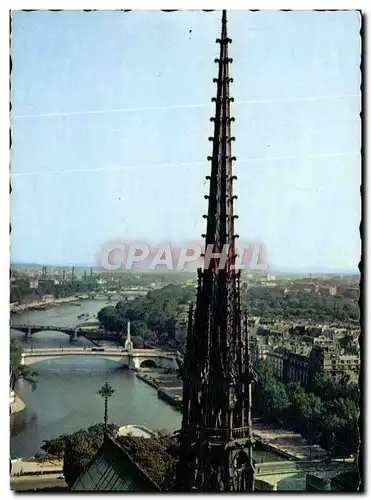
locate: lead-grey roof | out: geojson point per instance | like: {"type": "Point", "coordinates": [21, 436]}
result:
{"type": "Point", "coordinates": [113, 470]}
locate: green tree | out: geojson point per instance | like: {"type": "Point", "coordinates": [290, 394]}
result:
{"type": "Point", "coordinates": [111, 319]}
{"type": "Point", "coordinates": [275, 400]}
{"type": "Point", "coordinates": [106, 391]}
{"type": "Point", "coordinates": [306, 411]}
{"type": "Point", "coordinates": [140, 328]}
{"type": "Point", "coordinates": [19, 371]}
{"type": "Point", "coordinates": [152, 455]}
{"type": "Point", "coordinates": [122, 307]}
{"type": "Point", "coordinates": [54, 447]}
{"type": "Point", "coordinates": [79, 449]}
{"type": "Point", "coordinates": [326, 412]}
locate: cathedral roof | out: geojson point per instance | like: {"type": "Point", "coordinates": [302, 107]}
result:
{"type": "Point", "coordinates": [112, 469]}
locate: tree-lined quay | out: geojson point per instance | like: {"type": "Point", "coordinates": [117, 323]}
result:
{"type": "Point", "coordinates": [325, 413]}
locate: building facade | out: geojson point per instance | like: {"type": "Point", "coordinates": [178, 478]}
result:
{"type": "Point", "coordinates": [289, 366]}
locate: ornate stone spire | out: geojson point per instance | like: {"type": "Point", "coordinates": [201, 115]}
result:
{"type": "Point", "coordinates": [216, 438]}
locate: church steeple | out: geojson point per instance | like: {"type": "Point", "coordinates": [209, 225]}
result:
{"type": "Point", "coordinates": [216, 438]}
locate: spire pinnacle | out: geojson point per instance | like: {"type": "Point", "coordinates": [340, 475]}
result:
{"type": "Point", "coordinates": [128, 342]}
{"type": "Point", "coordinates": [220, 217]}
{"type": "Point", "coordinates": [224, 23]}
{"type": "Point", "coordinates": [129, 337]}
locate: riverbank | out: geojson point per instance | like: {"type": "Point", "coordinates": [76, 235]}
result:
{"type": "Point", "coordinates": [53, 483]}
{"type": "Point", "coordinates": [16, 404]}
{"type": "Point", "coordinates": [41, 305]}
{"type": "Point", "coordinates": [32, 306]}
{"type": "Point", "coordinates": [26, 467]}
{"type": "Point", "coordinates": [288, 444]}
{"type": "Point", "coordinates": [169, 387]}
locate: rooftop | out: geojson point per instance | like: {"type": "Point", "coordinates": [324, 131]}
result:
{"type": "Point", "coordinates": [112, 469]}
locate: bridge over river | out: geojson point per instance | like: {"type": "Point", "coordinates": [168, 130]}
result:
{"type": "Point", "coordinates": [115, 294]}
{"type": "Point", "coordinates": [72, 331]}
{"type": "Point", "coordinates": [133, 358]}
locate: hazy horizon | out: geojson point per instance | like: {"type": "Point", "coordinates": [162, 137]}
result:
{"type": "Point", "coordinates": [288, 270]}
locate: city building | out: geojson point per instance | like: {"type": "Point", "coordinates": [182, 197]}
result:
{"type": "Point", "coordinates": [303, 287]}
{"type": "Point", "coordinates": [34, 283]}
{"type": "Point", "coordinates": [259, 348]}
{"type": "Point", "coordinates": [327, 360]}
{"type": "Point", "coordinates": [301, 362]}
{"type": "Point", "coordinates": [289, 366]}
{"type": "Point", "coordinates": [322, 340]}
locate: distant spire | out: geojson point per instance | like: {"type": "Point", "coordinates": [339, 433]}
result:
{"type": "Point", "coordinates": [128, 342]}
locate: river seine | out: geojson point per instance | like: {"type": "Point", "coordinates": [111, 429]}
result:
{"type": "Point", "coordinates": [66, 398]}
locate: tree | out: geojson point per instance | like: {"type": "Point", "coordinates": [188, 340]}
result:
{"type": "Point", "coordinates": [80, 448]}
{"type": "Point", "coordinates": [54, 447]}
{"type": "Point", "coordinates": [111, 319]}
{"type": "Point", "coordinates": [342, 420]}
{"type": "Point", "coordinates": [140, 328]}
{"type": "Point", "coordinates": [275, 399]}
{"type": "Point", "coordinates": [152, 455]}
{"type": "Point", "coordinates": [306, 411]}
{"type": "Point", "coordinates": [19, 371]}
{"type": "Point", "coordinates": [152, 315]}
{"type": "Point", "coordinates": [122, 307]}
{"type": "Point", "coordinates": [106, 392]}
{"type": "Point", "coordinates": [329, 389]}
{"type": "Point", "coordinates": [325, 412]}
{"type": "Point", "coordinates": [93, 438]}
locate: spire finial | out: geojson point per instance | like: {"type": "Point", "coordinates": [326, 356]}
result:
{"type": "Point", "coordinates": [129, 338]}
{"type": "Point", "coordinates": [128, 342]}
{"type": "Point", "coordinates": [224, 24]}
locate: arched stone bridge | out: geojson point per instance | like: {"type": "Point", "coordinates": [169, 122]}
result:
{"type": "Point", "coordinates": [133, 359]}
{"type": "Point", "coordinates": [73, 332]}
{"type": "Point", "coordinates": [316, 473]}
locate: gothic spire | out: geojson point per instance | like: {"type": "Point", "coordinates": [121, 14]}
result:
{"type": "Point", "coordinates": [215, 440]}
{"type": "Point", "coordinates": [220, 217]}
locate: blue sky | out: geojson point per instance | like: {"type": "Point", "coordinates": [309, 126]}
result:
{"type": "Point", "coordinates": [110, 122]}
